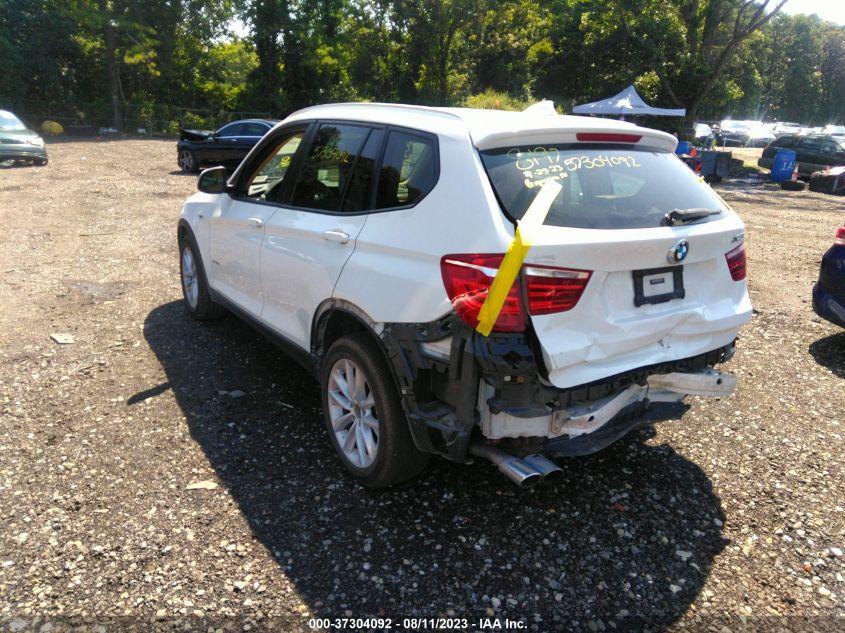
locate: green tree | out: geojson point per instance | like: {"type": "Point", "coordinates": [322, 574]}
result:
{"type": "Point", "coordinates": [690, 43]}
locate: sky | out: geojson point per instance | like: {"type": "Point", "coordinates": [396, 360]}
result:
{"type": "Point", "coordinates": [833, 10]}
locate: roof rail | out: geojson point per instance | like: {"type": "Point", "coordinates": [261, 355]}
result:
{"type": "Point", "coordinates": [389, 106]}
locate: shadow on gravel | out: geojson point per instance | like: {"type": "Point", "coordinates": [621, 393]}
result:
{"type": "Point", "coordinates": [629, 534]}
{"type": "Point", "coordinates": [830, 352]}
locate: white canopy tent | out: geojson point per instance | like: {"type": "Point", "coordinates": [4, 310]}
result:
{"type": "Point", "coordinates": [627, 102]}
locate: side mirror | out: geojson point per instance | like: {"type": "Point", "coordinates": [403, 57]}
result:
{"type": "Point", "coordinates": [212, 180]}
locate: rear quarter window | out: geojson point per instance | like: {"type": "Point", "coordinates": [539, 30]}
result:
{"type": "Point", "coordinates": [408, 170]}
{"type": "Point", "coordinates": [608, 187]}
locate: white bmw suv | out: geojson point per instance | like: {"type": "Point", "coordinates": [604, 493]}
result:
{"type": "Point", "coordinates": [388, 248]}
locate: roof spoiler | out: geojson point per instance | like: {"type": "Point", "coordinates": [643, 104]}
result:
{"type": "Point", "coordinates": [545, 107]}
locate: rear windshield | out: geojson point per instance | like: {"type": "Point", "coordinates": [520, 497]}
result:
{"type": "Point", "coordinates": [604, 187]}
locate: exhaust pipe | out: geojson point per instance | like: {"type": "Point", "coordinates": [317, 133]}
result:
{"type": "Point", "coordinates": [511, 466]}
{"type": "Point", "coordinates": [546, 467]}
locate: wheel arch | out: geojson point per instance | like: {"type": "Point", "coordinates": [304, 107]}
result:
{"type": "Point", "coordinates": [335, 318]}
{"type": "Point", "coordinates": [184, 232]}
{"type": "Point", "coordinates": [185, 235]}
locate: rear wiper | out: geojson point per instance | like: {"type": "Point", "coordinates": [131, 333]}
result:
{"type": "Point", "coordinates": [682, 216]}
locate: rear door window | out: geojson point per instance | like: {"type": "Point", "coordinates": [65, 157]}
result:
{"type": "Point", "coordinates": [358, 195]}
{"type": "Point", "coordinates": [327, 167]}
{"type": "Point", "coordinates": [408, 170]}
{"type": "Point", "coordinates": [810, 144]}
{"type": "Point", "coordinates": [609, 187]}
{"type": "Point", "coordinates": [233, 129]}
{"type": "Point", "coordinates": [253, 129]}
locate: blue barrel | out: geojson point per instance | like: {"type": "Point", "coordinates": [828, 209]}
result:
{"type": "Point", "coordinates": [684, 147]}
{"type": "Point", "coordinates": [783, 166]}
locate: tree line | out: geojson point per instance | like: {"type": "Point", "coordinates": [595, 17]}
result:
{"type": "Point", "coordinates": [124, 62]}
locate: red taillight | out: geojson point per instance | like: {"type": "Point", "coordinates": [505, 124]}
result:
{"type": "Point", "coordinates": [736, 262]}
{"type": "Point", "coordinates": [840, 237]}
{"type": "Point", "coordinates": [607, 137]}
{"type": "Point", "coordinates": [553, 289]}
{"type": "Point", "coordinates": [467, 279]}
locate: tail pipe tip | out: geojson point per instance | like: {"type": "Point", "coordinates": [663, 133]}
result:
{"type": "Point", "coordinates": [546, 467]}
{"type": "Point", "coordinates": [519, 472]}
{"type": "Point", "coordinates": [512, 467]}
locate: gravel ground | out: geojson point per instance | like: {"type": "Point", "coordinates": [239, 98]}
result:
{"type": "Point", "coordinates": [732, 515]}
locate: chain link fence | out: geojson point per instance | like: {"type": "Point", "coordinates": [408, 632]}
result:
{"type": "Point", "coordinates": [142, 120]}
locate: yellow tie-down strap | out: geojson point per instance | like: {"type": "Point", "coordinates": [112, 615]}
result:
{"type": "Point", "coordinates": [526, 229]}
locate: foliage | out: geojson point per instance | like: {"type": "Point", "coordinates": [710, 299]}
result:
{"type": "Point", "coordinates": [147, 63]}
{"type": "Point", "coordinates": [492, 100]}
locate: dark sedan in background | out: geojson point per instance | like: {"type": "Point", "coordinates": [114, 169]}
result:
{"type": "Point", "coordinates": [19, 143]}
{"type": "Point", "coordinates": [829, 292]}
{"type": "Point", "coordinates": [814, 152]}
{"type": "Point", "coordinates": [227, 146]}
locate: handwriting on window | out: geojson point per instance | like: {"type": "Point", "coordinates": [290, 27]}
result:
{"type": "Point", "coordinates": [543, 164]}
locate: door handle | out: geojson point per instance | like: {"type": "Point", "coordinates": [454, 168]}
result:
{"type": "Point", "coordinates": [256, 222]}
{"type": "Point", "coordinates": [336, 235]}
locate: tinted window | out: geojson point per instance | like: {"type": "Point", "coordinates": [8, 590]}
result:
{"type": "Point", "coordinates": [408, 170]}
{"type": "Point", "coordinates": [603, 188]}
{"type": "Point", "coordinates": [327, 167]}
{"type": "Point", "coordinates": [810, 144]}
{"type": "Point", "coordinates": [785, 141]}
{"type": "Point", "coordinates": [359, 191]}
{"type": "Point", "coordinates": [233, 129]}
{"type": "Point", "coordinates": [829, 147]}
{"type": "Point", "coordinates": [253, 129]}
{"type": "Point", "coordinates": [266, 182]}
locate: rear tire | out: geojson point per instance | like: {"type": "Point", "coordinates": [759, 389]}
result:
{"type": "Point", "coordinates": [40, 162]}
{"type": "Point", "coordinates": [197, 299]}
{"type": "Point", "coordinates": [364, 416]}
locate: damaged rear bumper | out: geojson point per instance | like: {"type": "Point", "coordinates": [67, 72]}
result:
{"type": "Point", "coordinates": [455, 383]}
{"type": "Point", "coordinates": [583, 430]}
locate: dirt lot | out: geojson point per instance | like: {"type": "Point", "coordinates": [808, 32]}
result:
{"type": "Point", "coordinates": [736, 510]}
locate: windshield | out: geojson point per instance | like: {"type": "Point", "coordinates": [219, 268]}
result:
{"type": "Point", "coordinates": [9, 121]}
{"type": "Point", "coordinates": [607, 187]}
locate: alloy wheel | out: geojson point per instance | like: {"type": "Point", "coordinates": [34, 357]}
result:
{"type": "Point", "coordinates": [190, 283]}
{"type": "Point", "coordinates": [186, 160]}
{"type": "Point", "coordinates": [353, 413]}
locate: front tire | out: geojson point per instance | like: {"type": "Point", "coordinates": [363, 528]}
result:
{"type": "Point", "coordinates": [364, 416]}
{"type": "Point", "coordinates": [197, 299]}
{"type": "Point", "coordinates": [187, 161]}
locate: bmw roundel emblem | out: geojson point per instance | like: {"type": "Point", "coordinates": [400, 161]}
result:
{"type": "Point", "coordinates": [678, 252]}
